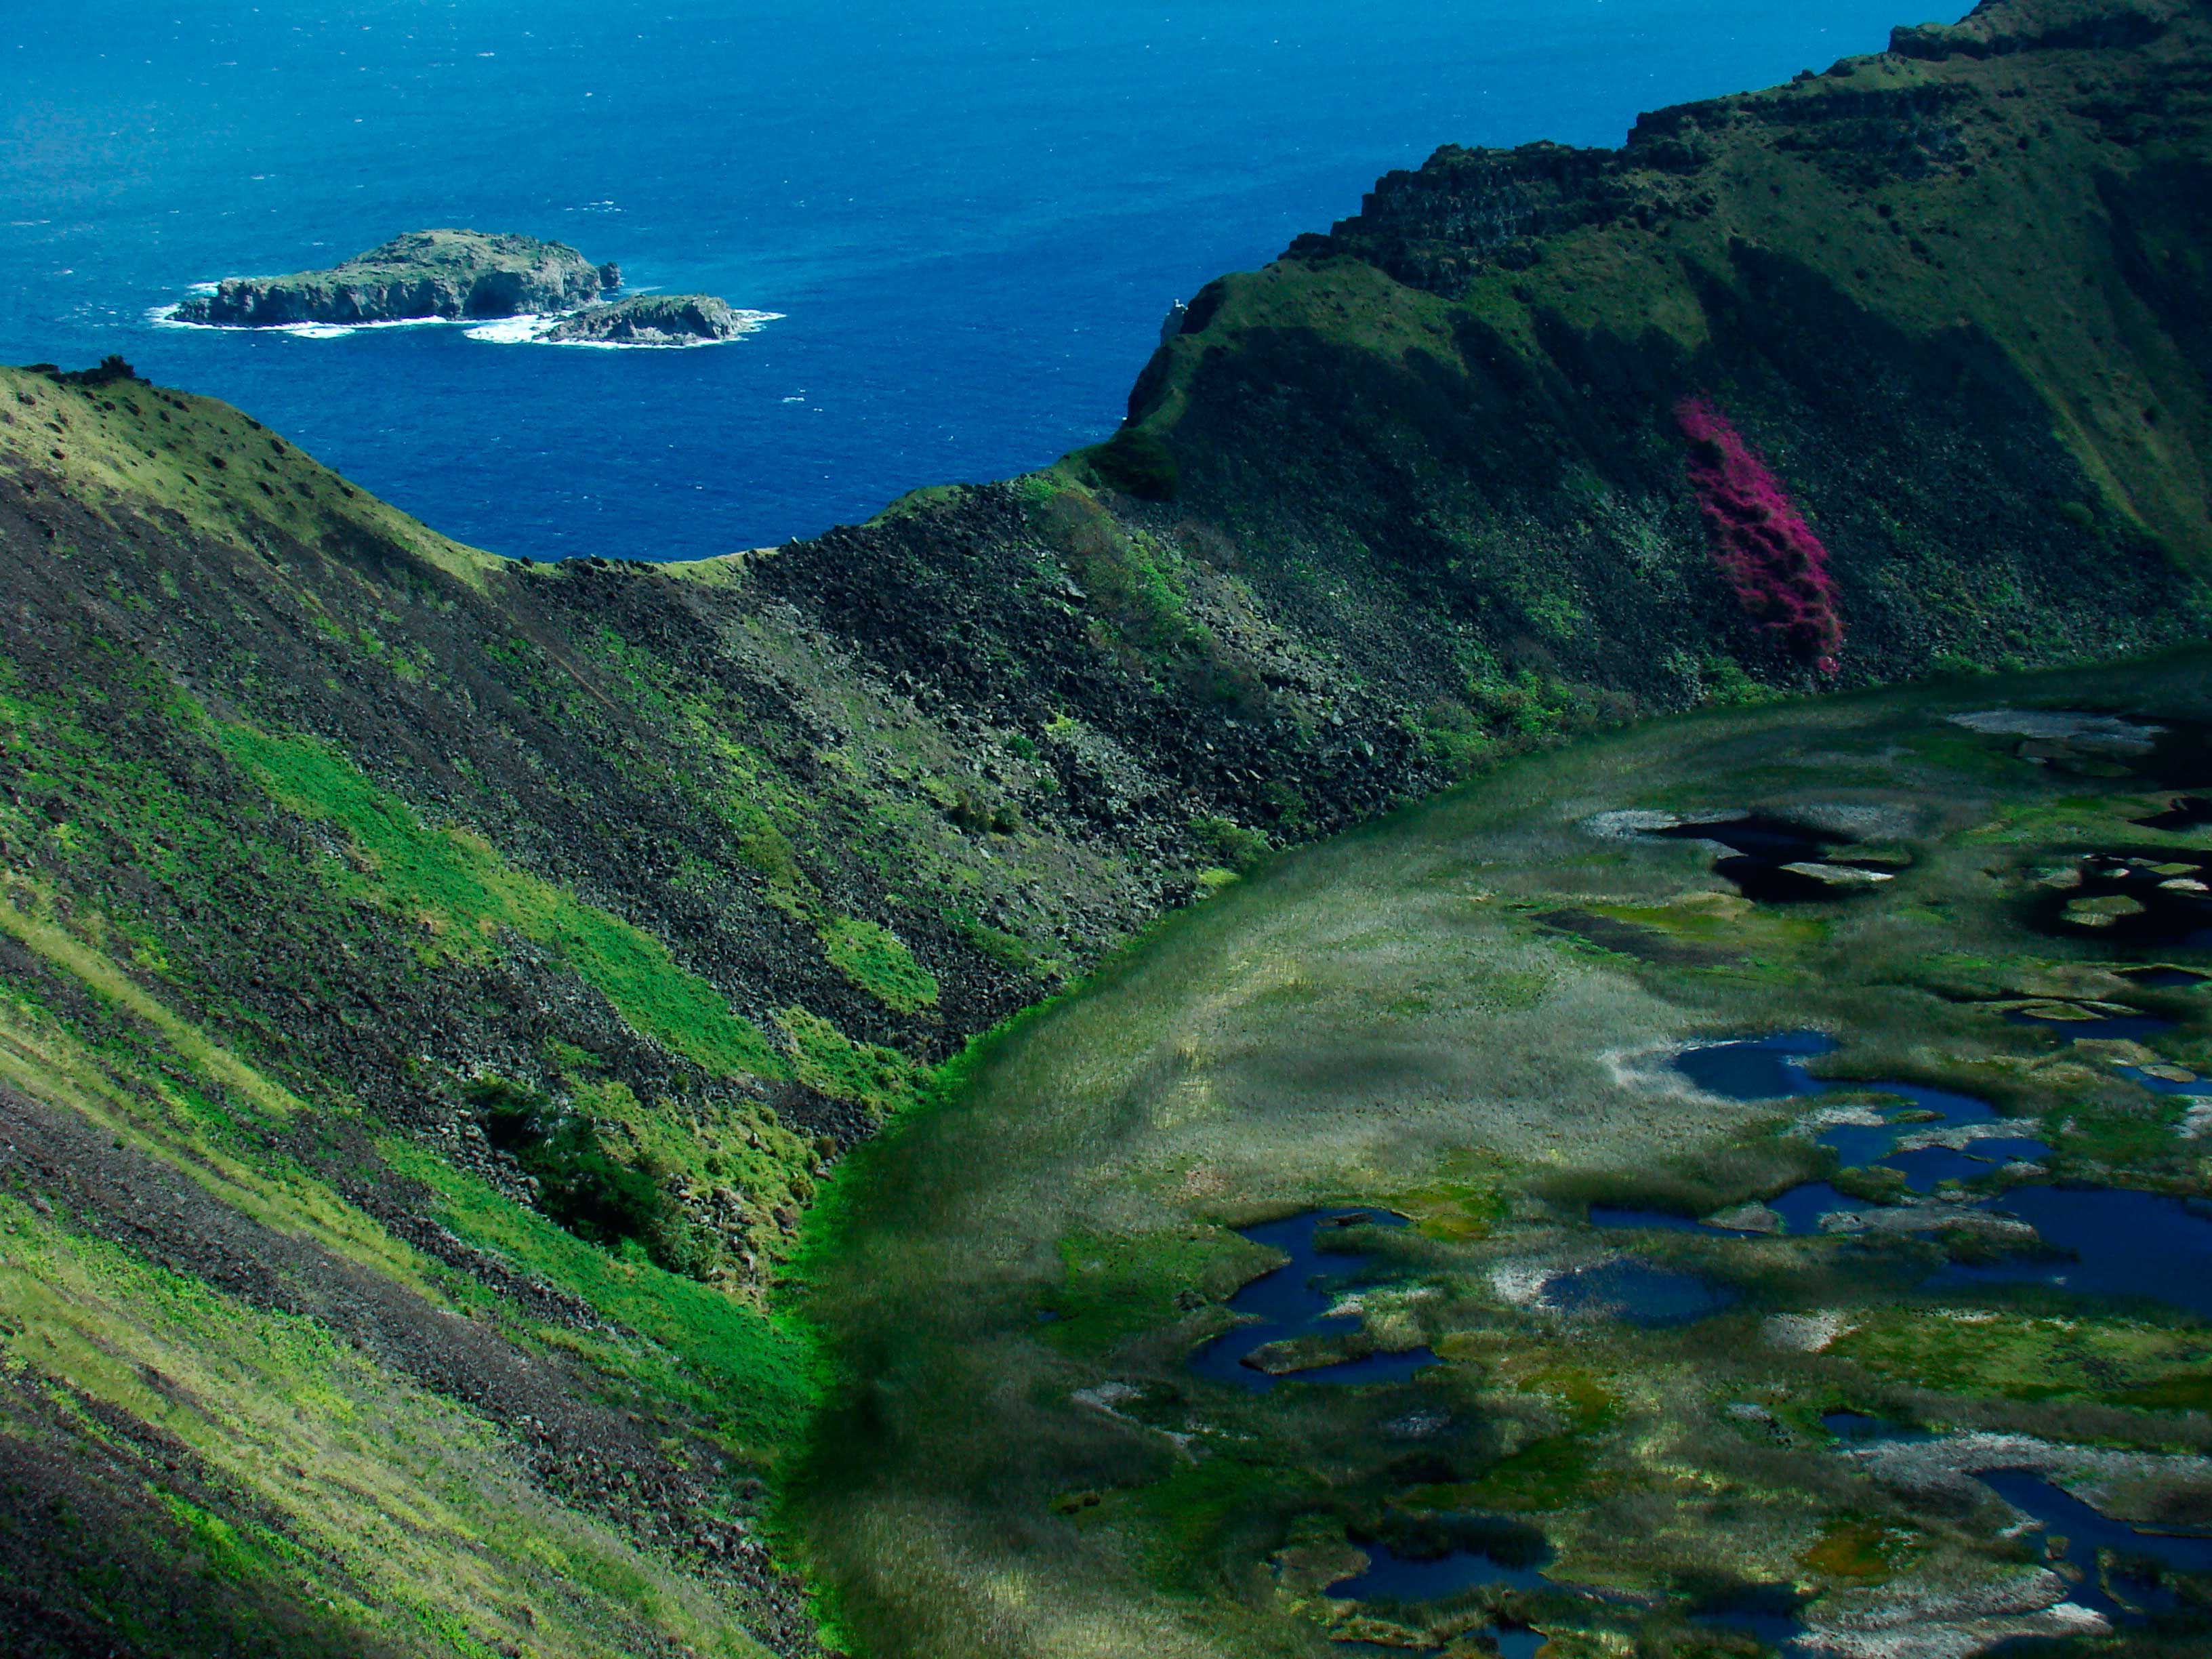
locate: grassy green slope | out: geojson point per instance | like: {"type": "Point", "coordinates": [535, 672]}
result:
{"type": "Point", "coordinates": [423, 900]}
{"type": "Point", "coordinates": [294, 1363]}
{"type": "Point", "coordinates": [1954, 295]}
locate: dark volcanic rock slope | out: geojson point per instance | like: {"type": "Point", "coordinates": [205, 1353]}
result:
{"type": "Point", "coordinates": [525, 939]}
{"type": "Point", "coordinates": [435, 983]}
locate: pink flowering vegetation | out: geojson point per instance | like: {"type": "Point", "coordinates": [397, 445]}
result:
{"type": "Point", "coordinates": [1759, 540]}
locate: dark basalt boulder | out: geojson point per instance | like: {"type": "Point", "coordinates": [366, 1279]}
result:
{"type": "Point", "coordinates": [653, 319]}
{"type": "Point", "coordinates": [423, 274]}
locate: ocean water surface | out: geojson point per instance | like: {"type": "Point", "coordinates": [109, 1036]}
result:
{"type": "Point", "coordinates": [971, 213]}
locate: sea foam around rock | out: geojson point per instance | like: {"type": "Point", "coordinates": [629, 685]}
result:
{"type": "Point", "coordinates": [529, 329]}
{"type": "Point", "coordinates": [533, 331]}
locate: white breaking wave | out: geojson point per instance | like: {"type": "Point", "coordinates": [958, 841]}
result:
{"type": "Point", "coordinates": [512, 331]}
{"type": "Point", "coordinates": [166, 316]}
{"type": "Point", "coordinates": [529, 329]}
{"type": "Point", "coordinates": [533, 331]}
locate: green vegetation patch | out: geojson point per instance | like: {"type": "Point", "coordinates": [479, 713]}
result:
{"type": "Point", "coordinates": [2094, 1137]}
{"type": "Point", "coordinates": [1228, 843]}
{"type": "Point", "coordinates": [1188, 1519]}
{"type": "Point", "coordinates": [1860, 1551]}
{"type": "Point", "coordinates": [1699, 1186]}
{"type": "Point", "coordinates": [602, 1200]}
{"type": "Point", "coordinates": [324, 1480]}
{"type": "Point", "coordinates": [457, 888]}
{"type": "Point", "coordinates": [877, 961]}
{"type": "Point", "coordinates": [882, 1079]}
{"type": "Point", "coordinates": [1116, 1288]}
{"type": "Point", "coordinates": [1550, 1472]}
{"type": "Point", "coordinates": [679, 1340]}
{"type": "Point", "coordinates": [1465, 1207]}
{"type": "Point", "coordinates": [1137, 462]}
{"type": "Point", "coordinates": [1723, 919]}
{"type": "Point", "coordinates": [2184, 1391]}
{"type": "Point", "coordinates": [2122, 1362]}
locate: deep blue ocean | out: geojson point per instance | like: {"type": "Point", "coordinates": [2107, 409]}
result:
{"type": "Point", "coordinates": [972, 214]}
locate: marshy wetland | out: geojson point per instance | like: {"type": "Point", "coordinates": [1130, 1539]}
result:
{"type": "Point", "coordinates": [1736, 1187]}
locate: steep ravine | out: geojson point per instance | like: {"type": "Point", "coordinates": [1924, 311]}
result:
{"type": "Point", "coordinates": [400, 901]}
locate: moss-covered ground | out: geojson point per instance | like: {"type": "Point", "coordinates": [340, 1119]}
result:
{"type": "Point", "coordinates": [1015, 1459]}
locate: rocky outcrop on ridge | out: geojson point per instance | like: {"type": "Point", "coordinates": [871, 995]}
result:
{"type": "Point", "coordinates": [423, 274]}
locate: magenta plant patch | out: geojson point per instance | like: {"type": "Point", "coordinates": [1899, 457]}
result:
{"type": "Point", "coordinates": [1762, 544]}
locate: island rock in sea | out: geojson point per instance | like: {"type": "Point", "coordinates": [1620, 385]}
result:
{"type": "Point", "coordinates": [423, 274]}
{"type": "Point", "coordinates": [655, 319]}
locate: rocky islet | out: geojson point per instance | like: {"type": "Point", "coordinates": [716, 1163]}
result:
{"type": "Point", "coordinates": [656, 319]}
{"type": "Point", "coordinates": [445, 274]}
{"type": "Point", "coordinates": [554, 295]}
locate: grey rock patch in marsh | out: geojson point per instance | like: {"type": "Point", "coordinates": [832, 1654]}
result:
{"type": "Point", "coordinates": [2083, 730]}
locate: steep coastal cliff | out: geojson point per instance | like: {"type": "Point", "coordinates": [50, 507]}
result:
{"type": "Point", "coordinates": [1953, 292]}
{"type": "Point", "coordinates": [437, 983]}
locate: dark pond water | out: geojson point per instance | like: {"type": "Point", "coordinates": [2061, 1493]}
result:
{"type": "Point", "coordinates": [2121, 1243]}
{"type": "Point", "coordinates": [1801, 1207]}
{"type": "Point", "coordinates": [2087, 1533]}
{"type": "Point", "coordinates": [2163, 753]}
{"type": "Point", "coordinates": [1391, 1577]}
{"type": "Point", "coordinates": [1859, 1427]}
{"type": "Point", "coordinates": [1866, 1143]}
{"type": "Point", "coordinates": [2164, 1085]}
{"type": "Point", "coordinates": [1757, 1068]}
{"type": "Point", "coordinates": [1773, 1068]}
{"type": "Point", "coordinates": [2166, 978]}
{"type": "Point", "coordinates": [2187, 812]}
{"type": "Point", "coordinates": [1638, 1293]}
{"type": "Point", "coordinates": [1294, 1301]}
{"type": "Point", "coordinates": [2105, 1241]}
{"type": "Point", "coordinates": [2180, 756]}
{"type": "Point", "coordinates": [1394, 1576]}
{"type": "Point", "coordinates": [2161, 917]}
{"type": "Point", "coordinates": [1783, 1632]}
{"type": "Point", "coordinates": [1760, 850]}
{"type": "Point", "coordinates": [2132, 1028]}
{"type": "Point", "coordinates": [1927, 1168]}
